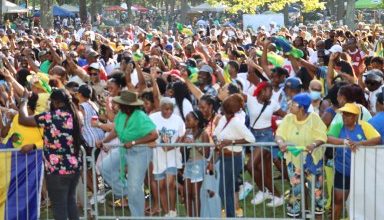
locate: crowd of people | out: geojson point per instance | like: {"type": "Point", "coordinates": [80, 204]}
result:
{"type": "Point", "coordinates": [124, 92]}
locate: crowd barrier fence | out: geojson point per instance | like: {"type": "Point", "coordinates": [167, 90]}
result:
{"type": "Point", "coordinates": [365, 194]}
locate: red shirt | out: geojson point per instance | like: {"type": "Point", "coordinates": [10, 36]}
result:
{"type": "Point", "coordinates": [357, 58]}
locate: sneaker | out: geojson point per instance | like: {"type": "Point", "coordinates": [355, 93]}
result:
{"type": "Point", "coordinates": [319, 210]}
{"type": "Point", "coordinates": [293, 211]}
{"type": "Point", "coordinates": [245, 189]}
{"type": "Point", "coordinates": [99, 197]}
{"type": "Point", "coordinates": [260, 197]}
{"type": "Point", "coordinates": [239, 213]}
{"type": "Point", "coordinates": [275, 202]}
{"type": "Point", "coordinates": [223, 213]}
{"type": "Point", "coordinates": [171, 214]}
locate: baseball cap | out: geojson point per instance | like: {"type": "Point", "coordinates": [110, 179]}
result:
{"type": "Point", "coordinates": [374, 75]}
{"type": "Point", "coordinates": [206, 68]}
{"type": "Point", "coordinates": [350, 108]}
{"type": "Point", "coordinates": [303, 99]}
{"type": "Point", "coordinates": [92, 53]}
{"type": "Point", "coordinates": [336, 49]}
{"type": "Point", "coordinates": [168, 47]}
{"type": "Point", "coordinates": [293, 83]}
{"type": "Point", "coordinates": [95, 66]}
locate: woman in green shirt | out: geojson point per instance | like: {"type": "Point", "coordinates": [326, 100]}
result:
{"type": "Point", "coordinates": [132, 127]}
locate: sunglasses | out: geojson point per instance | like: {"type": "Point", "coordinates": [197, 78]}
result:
{"type": "Point", "coordinates": [93, 73]}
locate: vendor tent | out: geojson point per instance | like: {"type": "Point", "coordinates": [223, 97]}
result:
{"type": "Point", "coordinates": [58, 11]}
{"type": "Point", "coordinates": [9, 8]}
{"type": "Point", "coordinates": [366, 4]}
{"type": "Point", "coordinates": [207, 7]}
{"type": "Point", "coordinates": [71, 8]}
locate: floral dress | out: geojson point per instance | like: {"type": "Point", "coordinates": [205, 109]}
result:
{"type": "Point", "coordinates": [59, 153]}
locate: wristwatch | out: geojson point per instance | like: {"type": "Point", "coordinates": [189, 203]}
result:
{"type": "Point", "coordinates": [133, 143]}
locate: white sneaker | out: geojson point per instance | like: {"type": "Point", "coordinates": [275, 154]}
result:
{"type": "Point", "coordinates": [245, 189]}
{"type": "Point", "coordinates": [260, 197]}
{"type": "Point", "coordinates": [275, 202]}
{"type": "Point", "coordinates": [171, 214]}
{"type": "Point", "coordinates": [99, 197]}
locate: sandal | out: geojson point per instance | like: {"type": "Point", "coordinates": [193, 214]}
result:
{"type": "Point", "coordinates": [152, 212]}
{"type": "Point", "coordinates": [119, 203]}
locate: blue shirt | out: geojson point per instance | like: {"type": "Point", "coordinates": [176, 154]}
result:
{"type": "Point", "coordinates": [343, 155]}
{"type": "Point", "coordinates": [378, 123]}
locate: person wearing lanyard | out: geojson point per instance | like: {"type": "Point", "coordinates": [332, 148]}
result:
{"type": "Point", "coordinates": [353, 133]}
{"type": "Point", "coordinates": [229, 132]}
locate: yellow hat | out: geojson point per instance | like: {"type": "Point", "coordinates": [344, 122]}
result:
{"type": "Point", "coordinates": [350, 108]}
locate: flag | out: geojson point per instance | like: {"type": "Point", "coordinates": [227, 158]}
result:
{"type": "Point", "coordinates": [226, 75]}
{"type": "Point", "coordinates": [274, 59]}
{"type": "Point", "coordinates": [20, 184]}
{"type": "Point", "coordinates": [184, 30]}
{"type": "Point", "coordinates": [379, 50]}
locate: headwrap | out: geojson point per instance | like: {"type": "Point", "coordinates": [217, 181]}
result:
{"type": "Point", "coordinates": [260, 88]}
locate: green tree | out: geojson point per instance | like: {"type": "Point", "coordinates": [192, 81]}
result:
{"type": "Point", "coordinates": [249, 6]}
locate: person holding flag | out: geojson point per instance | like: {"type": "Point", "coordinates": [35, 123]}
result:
{"type": "Point", "coordinates": [306, 132]}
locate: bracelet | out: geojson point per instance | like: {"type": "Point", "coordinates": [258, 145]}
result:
{"type": "Point", "coordinates": [346, 141]}
{"type": "Point", "coordinates": [233, 142]}
{"type": "Point", "coordinates": [314, 144]}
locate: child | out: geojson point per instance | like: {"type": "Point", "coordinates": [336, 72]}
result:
{"type": "Point", "coordinates": [196, 162]}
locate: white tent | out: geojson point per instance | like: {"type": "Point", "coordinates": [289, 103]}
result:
{"type": "Point", "coordinates": [207, 7]}
{"type": "Point", "coordinates": [71, 8]}
{"type": "Point", "coordinates": [9, 8]}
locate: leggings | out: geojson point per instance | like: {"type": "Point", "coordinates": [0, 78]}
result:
{"type": "Point", "coordinates": [62, 193]}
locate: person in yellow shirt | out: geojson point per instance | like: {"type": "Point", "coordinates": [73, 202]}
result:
{"type": "Point", "coordinates": [306, 132]}
{"type": "Point", "coordinates": [27, 138]}
{"type": "Point", "coordinates": [4, 38]}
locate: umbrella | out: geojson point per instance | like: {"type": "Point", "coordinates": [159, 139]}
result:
{"type": "Point", "coordinates": [115, 8]}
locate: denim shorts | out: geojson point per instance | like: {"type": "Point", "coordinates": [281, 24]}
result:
{"type": "Point", "coordinates": [266, 135]}
{"type": "Point", "coordinates": [194, 170]}
{"type": "Point", "coordinates": [170, 171]}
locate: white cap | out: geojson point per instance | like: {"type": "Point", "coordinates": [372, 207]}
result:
{"type": "Point", "coordinates": [95, 66]}
{"type": "Point", "coordinates": [336, 49]}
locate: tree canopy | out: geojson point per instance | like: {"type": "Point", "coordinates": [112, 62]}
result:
{"type": "Point", "coordinates": [249, 6]}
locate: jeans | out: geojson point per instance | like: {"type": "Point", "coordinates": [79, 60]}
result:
{"type": "Point", "coordinates": [137, 159]}
{"type": "Point", "coordinates": [228, 176]}
{"type": "Point", "coordinates": [62, 193]}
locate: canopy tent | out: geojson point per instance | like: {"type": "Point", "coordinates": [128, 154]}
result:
{"type": "Point", "coordinates": [58, 11]}
{"type": "Point", "coordinates": [71, 8]}
{"type": "Point", "coordinates": [115, 8]}
{"type": "Point", "coordinates": [366, 4]}
{"type": "Point", "coordinates": [9, 8]}
{"type": "Point", "coordinates": [207, 7]}
{"type": "Point", "coordinates": [135, 7]}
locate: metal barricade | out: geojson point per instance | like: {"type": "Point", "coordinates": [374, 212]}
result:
{"type": "Point", "coordinates": [22, 185]}
{"type": "Point", "coordinates": [255, 160]}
